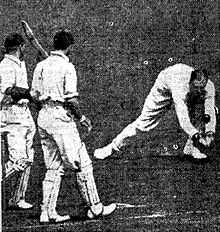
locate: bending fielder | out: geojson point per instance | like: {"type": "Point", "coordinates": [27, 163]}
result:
{"type": "Point", "coordinates": [55, 84]}
{"type": "Point", "coordinates": [186, 88]}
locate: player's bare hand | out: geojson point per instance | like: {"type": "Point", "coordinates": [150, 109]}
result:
{"type": "Point", "coordinates": [203, 140]}
{"type": "Point", "coordinates": [85, 122]}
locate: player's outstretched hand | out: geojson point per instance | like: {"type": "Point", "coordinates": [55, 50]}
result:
{"type": "Point", "coordinates": [203, 140]}
{"type": "Point", "coordinates": [84, 121]}
{"type": "Point", "coordinates": [210, 136]}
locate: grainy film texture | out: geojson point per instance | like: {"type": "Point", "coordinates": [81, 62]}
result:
{"type": "Point", "coordinates": [162, 171]}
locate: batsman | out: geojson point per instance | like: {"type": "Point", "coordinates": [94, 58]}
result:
{"type": "Point", "coordinates": [55, 85]}
{"type": "Point", "coordinates": [193, 95]}
{"type": "Point", "coordinates": [16, 119]}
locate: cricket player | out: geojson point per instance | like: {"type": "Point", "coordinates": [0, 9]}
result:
{"type": "Point", "coordinates": [55, 84]}
{"type": "Point", "coordinates": [16, 118]}
{"type": "Point", "coordinates": [187, 89]}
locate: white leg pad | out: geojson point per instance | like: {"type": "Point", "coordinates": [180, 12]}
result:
{"type": "Point", "coordinates": [88, 190]}
{"type": "Point", "coordinates": [22, 185]}
{"type": "Point", "coordinates": [54, 195]}
{"type": "Point", "coordinates": [51, 187]}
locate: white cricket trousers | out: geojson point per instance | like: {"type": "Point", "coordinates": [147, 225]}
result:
{"type": "Point", "coordinates": [60, 139]}
{"type": "Point", "coordinates": [151, 114]}
{"type": "Point", "coordinates": [17, 122]}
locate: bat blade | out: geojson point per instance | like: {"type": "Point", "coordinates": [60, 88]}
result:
{"type": "Point", "coordinates": [32, 39]}
{"type": "Point", "coordinates": [27, 30]}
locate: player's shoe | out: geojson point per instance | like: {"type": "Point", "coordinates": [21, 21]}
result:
{"type": "Point", "coordinates": [106, 210]}
{"type": "Point", "coordinates": [22, 204]}
{"type": "Point", "coordinates": [198, 155]}
{"type": "Point", "coordinates": [104, 152]}
{"type": "Point", "coordinates": [56, 218]}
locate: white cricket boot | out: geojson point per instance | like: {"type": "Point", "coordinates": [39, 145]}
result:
{"type": "Point", "coordinates": [56, 218]}
{"type": "Point", "coordinates": [104, 152]}
{"type": "Point", "coordinates": [196, 154]}
{"type": "Point", "coordinates": [87, 187]}
{"type": "Point", "coordinates": [18, 200]}
{"type": "Point", "coordinates": [22, 204]}
{"type": "Point", "coordinates": [105, 211]}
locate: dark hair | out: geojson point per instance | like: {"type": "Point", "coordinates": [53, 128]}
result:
{"type": "Point", "coordinates": [13, 41]}
{"type": "Point", "coordinates": [199, 76]}
{"type": "Point", "coordinates": [62, 40]}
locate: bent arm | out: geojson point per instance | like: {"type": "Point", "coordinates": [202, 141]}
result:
{"type": "Point", "coordinates": [72, 105]}
{"type": "Point", "coordinates": [183, 116]}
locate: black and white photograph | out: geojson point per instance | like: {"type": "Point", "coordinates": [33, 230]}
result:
{"type": "Point", "coordinates": [110, 115]}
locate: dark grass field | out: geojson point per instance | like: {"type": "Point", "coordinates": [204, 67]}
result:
{"type": "Point", "coordinates": [120, 49]}
{"type": "Point", "coordinates": [154, 194]}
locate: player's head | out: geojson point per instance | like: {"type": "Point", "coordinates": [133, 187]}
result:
{"type": "Point", "coordinates": [199, 79]}
{"type": "Point", "coordinates": [62, 40]}
{"type": "Point", "coordinates": [14, 42]}
{"type": "Point", "coordinates": [197, 84]}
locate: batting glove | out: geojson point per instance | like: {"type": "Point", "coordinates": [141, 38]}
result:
{"type": "Point", "coordinates": [84, 121]}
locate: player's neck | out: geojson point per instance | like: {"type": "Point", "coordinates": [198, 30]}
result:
{"type": "Point", "coordinates": [15, 54]}
{"type": "Point", "coordinates": [62, 51]}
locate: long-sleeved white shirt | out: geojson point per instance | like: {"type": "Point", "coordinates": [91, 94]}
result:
{"type": "Point", "coordinates": [55, 77]}
{"type": "Point", "coordinates": [172, 86]}
{"type": "Point", "coordinates": [12, 73]}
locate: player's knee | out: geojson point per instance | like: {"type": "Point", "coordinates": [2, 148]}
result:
{"type": "Point", "coordinates": [139, 125]}
{"type": "Point", "coordinates": [146, 123]}
{"type": "Point", "coordinates": [86, 170]}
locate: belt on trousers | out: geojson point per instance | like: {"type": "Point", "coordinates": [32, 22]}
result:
{"type": "Point", "coordinates": [22, 104]}
{"type": "Point", "coordinates": [53, 103]}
